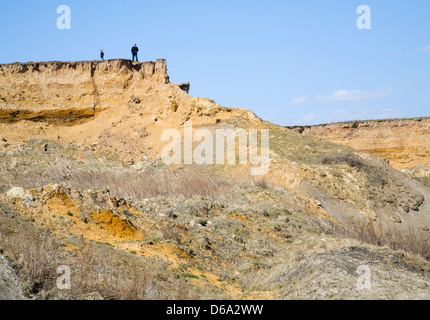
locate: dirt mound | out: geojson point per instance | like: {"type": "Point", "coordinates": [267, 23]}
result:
{"type": "Point", "coordinates": [119, 228]}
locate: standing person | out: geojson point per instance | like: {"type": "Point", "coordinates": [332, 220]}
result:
{"type": "Point", "coordinates": [134, 52]}
{"type": "Point", "coordinates": [102, 55]}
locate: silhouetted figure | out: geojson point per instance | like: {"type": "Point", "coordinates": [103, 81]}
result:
{"type": "Point", "coordinates": [134, 52]}
{"type": "Point", "coordinates": [102, 55]}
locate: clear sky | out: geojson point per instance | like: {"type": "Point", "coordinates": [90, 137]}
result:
{"type": "Point", "coordinates": [291, 62]}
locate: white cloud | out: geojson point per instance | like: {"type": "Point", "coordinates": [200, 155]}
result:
{"type": "Point", "coordinates": [352, 95]}
{"type": "Point", "coordinates": [425, 49]}
{"type": "Point", "coordinates": [308, 118]}
{"type": "Point", "coordinates": [299, 100]}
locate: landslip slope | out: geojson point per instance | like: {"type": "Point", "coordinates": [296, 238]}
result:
{"type": "Point", "coordinates": [80, 159]}
{"type": "Point", "coordinates": [122, 108]}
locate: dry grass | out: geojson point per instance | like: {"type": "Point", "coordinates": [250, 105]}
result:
{"type": "Point", "coordinates": [413, 241]}
{"type": "Point", "coordinates": [31, 167]}
{"type": "Point", "coordinates": [36, 254]}
{"type": "Point", "coordinates": [125, 182]}
{"type": "Point", "coordinates": [99, 270]}
{"type": "Point", "coordinates": [111, 274]}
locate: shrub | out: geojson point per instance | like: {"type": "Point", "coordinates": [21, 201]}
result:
{"type": "Point", "coordinates": [171, 232]}
{"type": "Point", "coordinates": [343, 158]}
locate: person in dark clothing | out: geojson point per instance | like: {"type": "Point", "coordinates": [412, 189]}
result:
{"type": "Point", "coordinates": [102, 55]}
{"type": "Point", "coordinates": [134, 52]}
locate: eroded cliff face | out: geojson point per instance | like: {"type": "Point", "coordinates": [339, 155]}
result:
{"type": "Point", "coordinates": [56, 91]}
{"type": "Point", "coordinates": [120, 109]}
{"type": "Point", "coordinates": [119, 105]}
{"type": "Point", "coordinates": [404, 142]}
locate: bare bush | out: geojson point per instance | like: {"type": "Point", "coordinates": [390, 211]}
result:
{"type": "Point", "coordinates": [262, 183]}
{"type": "Point", "coordinates": [36, 253]}
{"type": "Point", "coordinates": [171, 232]}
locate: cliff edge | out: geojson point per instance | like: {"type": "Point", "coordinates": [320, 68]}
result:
{"type": "Point", "coordinates": [55, 90]}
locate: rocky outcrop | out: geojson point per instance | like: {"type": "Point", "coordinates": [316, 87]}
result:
{"type": "Point", "coordinates": [185, 87]}
{"type": "Point", "coordinates": [404, 142]}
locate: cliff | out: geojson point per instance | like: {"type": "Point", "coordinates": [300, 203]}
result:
{"type": "Point", "coordinates": [119, 109]}
{"type": "Point", "coordinates": [55, 90]}
{"type": "Point", "coordinates": [118, 105]}
{"type": "Point", "coordinates": [82, 180]}
{"type": "Point", "coordinates": [404, 142]}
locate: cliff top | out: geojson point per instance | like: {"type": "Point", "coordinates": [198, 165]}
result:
{"type": "Point", "coordinates": [358, 122]}
{"type": "Point", "coordinates": [81, 62]}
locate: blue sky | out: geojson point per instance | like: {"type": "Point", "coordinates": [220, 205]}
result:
{"type": "Point", "coordinates": [291, 62]}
